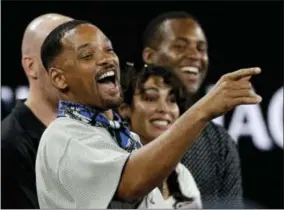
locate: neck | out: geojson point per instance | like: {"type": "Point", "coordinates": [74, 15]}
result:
{"type": "Point", "coordinates": [40, 107]}
{"type": "Point", "coordinates": [143, 140]}
{"type": "Point", "coordinates": [109, 114]}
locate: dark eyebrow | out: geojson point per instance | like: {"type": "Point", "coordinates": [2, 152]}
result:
{"type": "Point", "coordinates": [181, 39]}
{"type": "Point", "coordinates": [88, 44]}
{"type": "Point", "coordinates": [83, 46]}
{"type": "Point", "coordinates": [154, 89]}
{"type": "Point", "coordinates": [188, 40]}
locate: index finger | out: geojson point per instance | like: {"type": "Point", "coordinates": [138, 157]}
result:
{"type": "Point", "coordinates": [239, 74]}
{"type": "Point", "coordinates": [246, 78]}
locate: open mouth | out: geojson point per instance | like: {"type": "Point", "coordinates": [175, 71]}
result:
{"type": "Point", "coordinates": [107, 77]}
{"type": "Point", "coordinates": [190, 69]}
{"type": "Point", "coordinates": [190, 73]}
{"type": "Point", "coordinates": [161, 124]}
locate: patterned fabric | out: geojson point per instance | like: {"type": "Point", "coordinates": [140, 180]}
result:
{"type": "Point", "coordinates": [214, 163]}
{"type": "Point", "coordinates": [93, 117]}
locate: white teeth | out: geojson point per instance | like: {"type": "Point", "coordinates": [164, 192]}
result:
{"type": "Point", "coordinates": [107, 74]}
{"type": "Point", "coordinates": [160, 122]}
{"type": "Point", "coordinates": [190, 69]}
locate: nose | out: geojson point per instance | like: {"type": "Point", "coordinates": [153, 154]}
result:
{"type": "Point", "coordinates": [106, 59]}
{"type": "Point", "coordinates": [163, 107]}
{"type": "Point", "coordinates": [193, 53]}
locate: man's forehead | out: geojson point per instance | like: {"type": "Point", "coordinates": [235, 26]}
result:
{"type": "Point", "coordinates": [182, 27]}
{"type": "Point", "coordinates": [84, 35]}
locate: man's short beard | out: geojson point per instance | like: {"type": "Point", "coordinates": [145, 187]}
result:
{"type": "Point", "coordinates": [113, 104]}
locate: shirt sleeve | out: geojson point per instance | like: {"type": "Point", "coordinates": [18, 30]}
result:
{"type": "Point", "coordinates": [90, 170]}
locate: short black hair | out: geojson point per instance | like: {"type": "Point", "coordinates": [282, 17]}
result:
{"type": "Point", "coordinates": [52, 45]}
{"type": "Point", "coordinates": [133, 79]}
{"type": "Point", "coordinates": [152, 34]}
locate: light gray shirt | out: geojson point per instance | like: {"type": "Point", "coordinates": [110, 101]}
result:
{"type": "Point", "coordinates": [80, 166]}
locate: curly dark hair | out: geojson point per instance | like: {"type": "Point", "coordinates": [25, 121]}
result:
{"type": "Point", "coordinates": [133, 79]}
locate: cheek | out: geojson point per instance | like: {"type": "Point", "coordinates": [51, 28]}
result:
{"type": "Point", "coordinates": [205, 64]}
{"type": "Point", "coordinates": [116, 59]}
{"type": "Point", "coordinates": [175, 112]}
{"type": "Point", "coordinates": [205, 59]}
{"type": "Point", "coordinates": [85, 71]}
{"type": "Point", "coordinates": [81, 82]}
{"type": "Point", "coordinates": [169, 58]}
{"type": "Point", "coordinates": [139, 117]}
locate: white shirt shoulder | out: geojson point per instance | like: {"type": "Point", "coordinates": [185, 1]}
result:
{"type": "Point", "coordinates": [77, 166]}
{"type": "Point", "coordinates": [187, 182]}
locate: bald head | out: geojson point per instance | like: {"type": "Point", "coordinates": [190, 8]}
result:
{"type": "Point", "coordinates": [38, 29]}
{"type": "Point", "coordinates": [40, 87]}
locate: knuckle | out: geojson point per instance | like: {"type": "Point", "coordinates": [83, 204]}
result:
{"type": "Point", "coordinates": [244, 71]}
{"type": "Point", "coordinates": [228, 105]}
{"type": "Point", "coordinates": [245, 84]}
{"type": "Point", "coordinates": [238, 101]}
{"type": "Point", "coordinates": [249, 85]}
{"type": "Point", "coordinates": [226, 93]}
{"type": "Point", "coordinates": [224, 84]}
{"type": "Point", "coordinates": [241, 100]}
{"type": "Point", "coordinates": [224, 77]}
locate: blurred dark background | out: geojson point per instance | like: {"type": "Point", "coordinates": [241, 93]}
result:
{"type": "Point", "coordinates": [240, 34]}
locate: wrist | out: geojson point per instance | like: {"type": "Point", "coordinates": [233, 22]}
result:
{"type": "Point", "coordinates": [202, 111]}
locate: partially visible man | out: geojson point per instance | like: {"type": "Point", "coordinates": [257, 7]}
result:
{"type": "Point", "coordinates": [88, 160]}
{"type": "Point", "coordinates": [4, 111]}
{"type": "Point", "coordinates": [21, 130]}
{"type": "Point", "coordinates": [176, 40]}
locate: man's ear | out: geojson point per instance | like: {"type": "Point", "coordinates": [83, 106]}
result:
{"type": "Point", "coordinates": [29, 66]}
{"type": "Point", "coordinates": [125, 111]}
{"type": "Point", "coordinates": [58, 78]}
{"type": "Point", "coordinates": [148, 55]}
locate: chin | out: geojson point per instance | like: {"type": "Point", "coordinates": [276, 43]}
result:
{"type": "Point", "coordinates": [155, 134]}
{"type": "Point", "coordinates": [112, 104]}
{"type": "Point", "coordinates": [192, 89]}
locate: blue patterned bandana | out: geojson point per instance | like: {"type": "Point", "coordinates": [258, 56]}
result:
{"type": "Point", "coordinates": [116, 127]}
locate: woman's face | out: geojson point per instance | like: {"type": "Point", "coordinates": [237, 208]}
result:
{"type": "Point", "coordinates": [153, 110]}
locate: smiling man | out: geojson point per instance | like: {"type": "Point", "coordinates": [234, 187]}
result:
{"type": "Point", "coordinates": [176, 40]}
{"type": "Point", "coordinates": [87, 158]}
